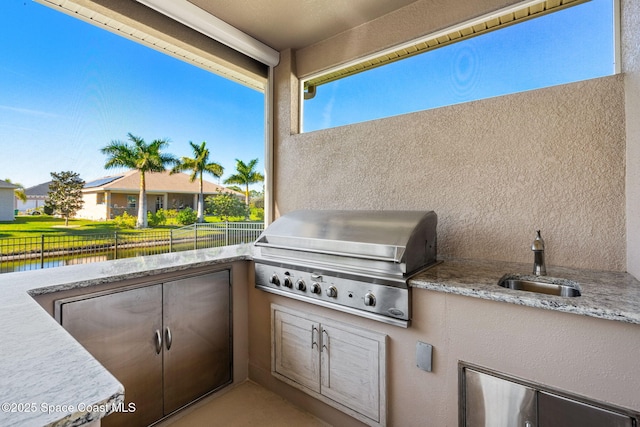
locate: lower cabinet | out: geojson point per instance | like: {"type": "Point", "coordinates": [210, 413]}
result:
{"type": "Point", "coordinates": [168, 343]}
{"type": "Point", "coordinates": [492, 400]}
{"type": "Point", "coordinates": [338, 364]}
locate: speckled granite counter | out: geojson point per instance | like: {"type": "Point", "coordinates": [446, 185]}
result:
{"type": "Point", "coordinates": [46, 377]}
{"type": "Point", "coordinates": [605, 294]}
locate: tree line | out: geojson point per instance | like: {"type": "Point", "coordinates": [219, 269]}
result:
{"type": "Point", "coordinates": [65, 196]}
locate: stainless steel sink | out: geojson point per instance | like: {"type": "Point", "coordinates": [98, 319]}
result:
{"type": "Point", "coordinates": [541, 285]}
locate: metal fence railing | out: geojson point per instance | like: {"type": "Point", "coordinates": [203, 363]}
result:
{"type": "Point", "coordinates": [32, 253]}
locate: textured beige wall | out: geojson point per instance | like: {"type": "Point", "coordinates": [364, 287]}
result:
{"type": "Point", "coordinates": [631, 67]}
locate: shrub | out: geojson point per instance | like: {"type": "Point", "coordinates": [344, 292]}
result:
{"type": "Point", "coordinates": [187, 216]}
{"type": "Point", "coordinates": [170, 216]}
{"type": "Point", "coordinates": [258, 202]}
{"type": "Point", "coordinates": [125, 221]}
{"type": "Point", "coordinates": [158, 218]}
{"type": "Point", "coordinates": [225, 206]}
{"type": "Point", "coordinates": [170, 213]}
{"type": "Point", "coordinates": [257, 214]}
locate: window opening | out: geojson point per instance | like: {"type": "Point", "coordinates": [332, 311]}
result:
{"type": "Point", "coordinates": [69, 89]}
{"type": "Point", "coordinates": [506, 52]}
{"type": "Point", "coordinates": [131, 201]}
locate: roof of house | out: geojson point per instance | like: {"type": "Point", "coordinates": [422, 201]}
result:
{"type": "Point", "coordinates": [38, 191]}
{"type": "Point", "coordinates": [5, 184]}
{"type": "Point", "coordinates": [102, 181]}
{"type": "Point", "coordinates": [158, 182]}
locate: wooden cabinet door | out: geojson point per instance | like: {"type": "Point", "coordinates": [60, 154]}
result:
{"type": "Point", "coordinates": [197, 337]}
{"type": "Point", "coordinates": [119, 329]}
{"type": "Point", "coordinates": [353, 368]}
{"type": "Point", "coordinates": [296, 355]}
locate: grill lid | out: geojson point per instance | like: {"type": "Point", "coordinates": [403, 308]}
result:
{"type": "Point", "coordinates": [395, 242]}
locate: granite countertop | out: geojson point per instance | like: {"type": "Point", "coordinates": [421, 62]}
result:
{"type": "Point", "coordinates": [47, 378]}
{"type": "Point", "coordinates": [605, 294]}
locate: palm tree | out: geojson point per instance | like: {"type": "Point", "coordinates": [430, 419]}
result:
{"type": "Point", "coordinates": [142, 157]}
{"type": "Point", "coordinates": [246, 175]}
{"type": "Point", "coordinates": [198, 165]}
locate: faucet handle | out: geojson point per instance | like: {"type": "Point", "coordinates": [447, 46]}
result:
{"type": "Point", "coordinates": [539, 268]}
{"type": "Point", "coordinates": [538, 243]}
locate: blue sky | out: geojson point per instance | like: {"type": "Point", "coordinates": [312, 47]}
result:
{"type": "Point", "coordinates": [566, 46]}
{"type": "Point", "coordinates": [68, 88]}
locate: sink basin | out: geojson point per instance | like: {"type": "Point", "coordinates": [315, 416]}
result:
{"type": "Point", "coordinates": [541, 285]}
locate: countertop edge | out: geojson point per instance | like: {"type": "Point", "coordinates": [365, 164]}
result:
{"type": "Point", "coordinates": [608, 295]}
{"type": "Point", "coordinates": [99, 411]}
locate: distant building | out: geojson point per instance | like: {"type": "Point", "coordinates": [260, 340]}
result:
{"type": "Point", "coordinates": [36, 197]}
{"type": "Point", "coordinates": [7, 201]}
{"type": "Point", "coordinates": [108, 197]}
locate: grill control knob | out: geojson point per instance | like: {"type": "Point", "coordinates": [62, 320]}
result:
{"type": "Point", "coordinates": [274, 280]}
{"type": "Point", "coordinates": [369, 299]}
{"type": "Point", "coordinates": [315, 288]}
{"type": "Point", "coordinates": [287, 282]}
{"type": "Point", "coordinates": [300, 285]}
{"type": "Point", "coordinates": [332, 292]}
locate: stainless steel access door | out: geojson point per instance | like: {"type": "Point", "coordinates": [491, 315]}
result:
{"type": "Point", "coordinates": [558, 411]}
{"type": "Point", "coordinates": [197, 337]}
{"type": "Point", "coordinates": [121, 329]}
{"type": "Point", "coordinates": [494, 402]}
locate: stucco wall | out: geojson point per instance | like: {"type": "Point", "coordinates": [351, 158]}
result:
{"type": "Point", "coordinates": [631, 67]}
{"type": "Point", "coordinates": [6, 204]}
{"type": "Point", "coordinates": [90, 209]}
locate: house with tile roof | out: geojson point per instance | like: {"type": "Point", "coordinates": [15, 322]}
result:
{"type": "Point", "coordinates": [7, 201]}
{"type": "Point", "coordinates": [110, 196]}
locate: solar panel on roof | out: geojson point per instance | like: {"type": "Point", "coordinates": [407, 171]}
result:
{"type": "Point", "coordinates": [102, 181]}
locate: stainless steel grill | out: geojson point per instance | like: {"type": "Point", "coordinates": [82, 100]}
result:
{"type": "Point", "coordinates": [354, 261]}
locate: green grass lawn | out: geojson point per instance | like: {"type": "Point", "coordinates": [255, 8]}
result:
{"type": "Point", "coordinates": [33, 226]}
{"type": "Point", "coordinates": [30, 226]}
{"type": "Point", "coordinates": [23, 235]}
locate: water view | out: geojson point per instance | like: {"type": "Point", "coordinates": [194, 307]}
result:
{"type": "Point", "coordinates": [55, 251]}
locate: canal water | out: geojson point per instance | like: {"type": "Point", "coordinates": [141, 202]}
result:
{"type": "Point", "coordinates": [107, 255]}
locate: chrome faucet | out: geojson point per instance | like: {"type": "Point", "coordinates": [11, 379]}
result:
{"type": "Point", "coordinates": [539, 269]}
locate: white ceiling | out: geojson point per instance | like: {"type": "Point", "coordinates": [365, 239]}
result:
{"type": "Point", "coordinates": [283, 24]}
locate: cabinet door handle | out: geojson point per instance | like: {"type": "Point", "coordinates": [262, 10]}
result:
{"type": "Point", "coordinates": [325, 339]}
{"type": "Point", "coordinates": [158, 341]}
{"type": "Point", "coordinates": [314, 331]}
{"type": "Point", "coordinates": [167, 338]}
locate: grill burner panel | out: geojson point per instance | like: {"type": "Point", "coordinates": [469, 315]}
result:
{"type": "Point", "coordinates": [354, 261]}
{"type": "Point", "coordinates": [360, 296]}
